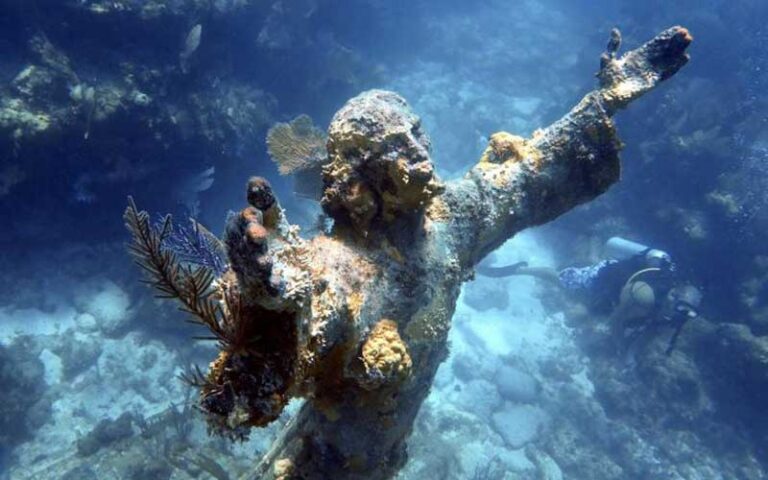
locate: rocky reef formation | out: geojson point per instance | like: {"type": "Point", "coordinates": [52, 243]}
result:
{"type": "Point", "coordinates": [356, 319]}
{"type": "Point", "coordinates": [101, 98]}
{"type": "Point", "coordinates": [23, 405]}
{"type": "Point", "coordinates": [651, 413]}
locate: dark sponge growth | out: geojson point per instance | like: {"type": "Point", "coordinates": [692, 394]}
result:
{"type": "Point", "coordinates": [22, 385]}
{"type": "Point", "coordinates": [105, 433]}
{"type": "Point", "coordinates": [260, 193]}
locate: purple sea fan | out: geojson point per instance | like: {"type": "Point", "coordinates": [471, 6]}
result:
{"type": "Point", "coordinates": [198, 246]}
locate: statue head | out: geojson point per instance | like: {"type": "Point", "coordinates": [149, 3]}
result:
{"type": "Point", "coordinates": [379, 164]}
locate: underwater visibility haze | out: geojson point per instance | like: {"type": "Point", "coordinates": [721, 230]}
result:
{"type": "Point", "coordinates": [369, 239]}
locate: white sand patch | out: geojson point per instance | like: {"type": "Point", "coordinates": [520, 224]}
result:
{"type": "Point", "coordinates": [524, 326]}
{"type": "Point", "coordinates": [519, 424]}
{"type": "Point", "coordinates": [107, 303]}
{"type": "Point", "coordinates": [53, 367]}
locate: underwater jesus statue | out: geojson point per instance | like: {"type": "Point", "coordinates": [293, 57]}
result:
{"type": "Point", "coordinates": [356, 320]}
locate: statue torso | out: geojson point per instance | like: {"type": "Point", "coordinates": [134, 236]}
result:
{"type": "Point", "coordinates": [355, 287]}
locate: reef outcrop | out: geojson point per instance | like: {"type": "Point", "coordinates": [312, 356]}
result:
{"type": "Point", "coordinates": [24, 407]}
{"type": "Point", "coordinates": [356, 319]}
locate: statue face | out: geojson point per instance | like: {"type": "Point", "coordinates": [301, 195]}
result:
{"type": "Point", "coordinates": [380, 167]}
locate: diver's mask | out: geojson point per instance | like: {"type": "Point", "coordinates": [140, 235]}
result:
{"type": "Point", "coordinates": [686, 310]}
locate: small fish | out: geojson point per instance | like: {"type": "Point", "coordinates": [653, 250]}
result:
{"type": "Point", "coordinates": [191, 44]}
{"type": "Point", "coordinates": [187, 191]}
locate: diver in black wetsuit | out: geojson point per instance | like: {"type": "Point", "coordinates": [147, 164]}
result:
{"type": "Point", "coordinates": [636, 287]}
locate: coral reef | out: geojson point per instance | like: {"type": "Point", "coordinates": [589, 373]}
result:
{"type": "Point", "coordinates": [659, 415]}
{"type": "Point", "coordinates": [101, 85]}
{"type": "Point", "coordinates": [356, 320]}
{"type": "Point", "coordinates": [23, 407]}
{"type": "Point", "coordinates": [739, 385]}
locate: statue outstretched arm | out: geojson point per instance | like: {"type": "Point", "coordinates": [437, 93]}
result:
{"type": "Point", "coordinates": [520, 182]}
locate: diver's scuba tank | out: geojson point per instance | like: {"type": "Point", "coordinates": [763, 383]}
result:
{"type": "Point", "coordinates": [621, 249]}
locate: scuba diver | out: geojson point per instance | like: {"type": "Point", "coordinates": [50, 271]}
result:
{"type": "Point", "coordinates": [635, 286]}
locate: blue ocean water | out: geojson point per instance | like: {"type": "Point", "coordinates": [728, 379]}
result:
{"type": "Point", "coordinates": [170, 102]}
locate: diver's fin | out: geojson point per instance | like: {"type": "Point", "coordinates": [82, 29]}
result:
{"type": "Point", "coordinates": [499, 272]}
